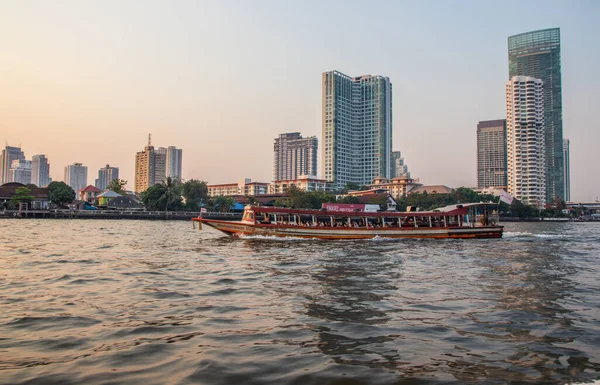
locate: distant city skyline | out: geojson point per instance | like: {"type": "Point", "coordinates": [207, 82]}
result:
{"type": "Point", "coordinates": [66, 82]}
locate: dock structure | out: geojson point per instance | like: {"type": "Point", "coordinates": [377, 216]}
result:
{"type": "Point", "coordinates": [115, 214]}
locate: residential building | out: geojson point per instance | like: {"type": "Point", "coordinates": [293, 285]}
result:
{"type": "Point", "coordinates": [40, 171]}
{"type": "Point", "coordinates": [294, 156]}
{"type": "Point", "coordinates": [525, 140]}
{"type": "Point", "coordinates": [20, 171]}
{"type": "Point", "coordinates": [303, 182]}
{"type": "Point", "coordinates": [40, 196]}
{"type": "Point", "coordinates": [89, 194]}
{"type": "Point", "coordinates": [537, 54]}
{"type": "Point", "coordinates": [357, 128]}
{"type": "Point", "coordinates": [160, 165]}
{"type": "Point", "coordinates": [242, 187]}
{"type": "Point", "coordinates": [433, 189]}
{"type": "Point", "coordinates": [567, 168]}
{"type": "Point", "coordinates": [397, 187]}
{"type": "Point", "coordinates": [76, 176]}
{"type": "Point", "coordinates": [398, 166]}
{"type": "Point", "coordinates": [174, 161]}
{"type": "Point", "coordinates": [491, 153]}
{"type": "Point", "coordinates": [9, 154]}
{"type": "Point", "coordinates": [105, 176]}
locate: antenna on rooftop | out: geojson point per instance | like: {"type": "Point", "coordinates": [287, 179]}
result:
{"type": "Point", "coordinates": [149, 140]}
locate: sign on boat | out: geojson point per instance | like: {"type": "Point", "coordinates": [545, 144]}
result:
{"type": "Point", "coordinates": [344, 221]}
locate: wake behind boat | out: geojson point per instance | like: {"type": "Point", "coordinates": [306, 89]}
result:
{"type": "Point", "coordinates": [346, 221]}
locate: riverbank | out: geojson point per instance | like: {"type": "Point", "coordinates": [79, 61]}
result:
{"type": "Point", "coordinates": [110, 214]}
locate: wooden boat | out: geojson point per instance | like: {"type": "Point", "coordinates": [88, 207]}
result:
{"type": "Point", "coordinates": [344, 221]}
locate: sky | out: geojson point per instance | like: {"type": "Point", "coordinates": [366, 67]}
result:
{"type": "Point", "coordinates": [87, 81]}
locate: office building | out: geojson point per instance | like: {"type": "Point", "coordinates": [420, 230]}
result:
{"type": "Point", "coordinates": [357, 128]}
{"type": "Point", "coordinates": [537, 54]}
{"type": "Point", "coordinates": [399, 169]}
{"type": "Point", "coordinates": [76, 176]}
{"type": "Point", "coordinates": [40, 171]}
{"type": "Point", "coordinates": [525, 140]}
{"type": "Point", "coordinates": [173, 164]}
{"type": "Point", "coordinates": [20, 171]}
{"type": "Point", "coordinates": [9, 154]}
{"type": "Point", "coordinates": [491, 153]}
{"type": "Point", "coordinates": [294, 156]}
{"type": "Point", "coordinates": [567, 167]}
{"type": "Point", "coordinates": [105, 176]}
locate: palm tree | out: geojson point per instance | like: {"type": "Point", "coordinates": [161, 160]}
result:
{"type": "Point", "coordinates": [171, 190]}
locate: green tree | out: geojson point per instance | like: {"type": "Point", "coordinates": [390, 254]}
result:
{"type": "Point", "coordinates": [60, 193]}
{"type": "Point", "coordinates": [195, 192]}
{"type": "Point", "coordinates": [171, 191]}
{"type": "Point", "coordinates": [224, 203]}
{"type": "Point", "coordinates": [22, 195]}
{"type": "Point", "coordinates": [153, 198]}
{"type": "Point", "coordinates": [117, 185]}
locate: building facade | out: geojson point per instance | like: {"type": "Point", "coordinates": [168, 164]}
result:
{"type": "Point", "coordinates": [356, 128]}
{"type": "Point", "coordinates": [537, 54]}
{"type": "Point", "coordinates": [567, 168]}
{"type": "Point", "coordinates": [160, 165]}
{"type": "Point", "coordinates": [397, 187]}
{"type": "Point", "coordinates": [174, 161]}
{"type": "Point", "coordinates": [398, 166]}
{"type": "Point", "coordinates": [144, 168]}
{"type": "Point", "coordinates": [40, 171]}
{"type": "Point", "coordinates": [242, 187]}
{"type": "Point", "coordinates": [9, 154]}
{"type": "Point", "coordinates": [304, 183]}
{"type": "Point", "coordinates": [76, 176]}
{"type": "Point", "coordinates": [294, 156]}
{"type": "Point", "coordinates": [20, 171]}
{"type": "Point", "coordinates": [105, 176]}
{"type": "Point", "coordinates": [525, 140]}
{"type": "Point", "coordinates": [491, 153]}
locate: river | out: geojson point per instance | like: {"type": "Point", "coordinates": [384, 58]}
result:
{"type": "Point", "coordinates": [145, 302]}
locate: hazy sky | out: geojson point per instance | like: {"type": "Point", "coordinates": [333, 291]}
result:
{"type": "Point", "coordinates": [86, 81]}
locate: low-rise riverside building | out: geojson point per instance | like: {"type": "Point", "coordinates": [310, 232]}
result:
{"type": "Point", "coordinates": [434, 189]}
{"type": "Point", "coordinates": [304, 183]}
{"type": "Point", "coordinates": [40, 196]}
{"type": "Point", "coordinates": [89, 194]}
{"type": "Point", "coordinates": [243, 187]}
{"type": "Point", "coordinates": [397, 187]}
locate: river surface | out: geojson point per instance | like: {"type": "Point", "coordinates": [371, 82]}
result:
{"type": "Point", "coordinates": [145, 302]}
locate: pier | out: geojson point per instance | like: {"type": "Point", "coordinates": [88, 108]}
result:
{"type": "Point", "coordinates": [114, 214]}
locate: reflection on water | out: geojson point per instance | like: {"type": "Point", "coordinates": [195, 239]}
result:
{"type": "Point", "coordinates": [158, 303]}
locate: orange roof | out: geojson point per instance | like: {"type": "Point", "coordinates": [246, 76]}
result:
{"type": "Point", "coordinates": [90, 188]}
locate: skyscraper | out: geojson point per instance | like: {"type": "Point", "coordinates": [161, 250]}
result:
{"type": "Point", "coordinates": [537, 54]}
{"type": "Point", "coordinates": [398, 166]}
{"type": "Point", "coordinates": [174, 158]}
{"type": "Point", "coordinates": [160, 165]}
{"type": "Point", "coordinates": [567, 155]}
{"type": "Point", "coordinates": [525, 140]}
{"type": "Point", "coordinates": [20, 171]}
{"type": "Point", "coordinates": [144, 168]}
{"type": "Point", "coordinates": [40, 171]}
{"type": "Point", "coordinates": [105, 176]}
{"type": "Point", "coordinates": [76, 176]}
{"type": "Point", "coordinates": [294, 156]}
{"type": "Point", "coordinates": [8, 155]}
{"type": "Point", "coordinates": [491, 153]}
{"type": "Point", "coordinates": [357, 128]}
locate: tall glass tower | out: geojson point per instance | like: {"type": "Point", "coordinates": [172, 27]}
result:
{"type": "Point", "coordinates": [537, 54]}
{"type": "Point", "coordinates": [357, 128]}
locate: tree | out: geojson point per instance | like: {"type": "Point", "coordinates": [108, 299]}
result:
{"type": "Point", "coordinates": [60, 193]}
{"type": "Point", "coordinates": [224, 203]}
{"type": "Point", "coordinates": [22, 195]}
{"type": "Point", "coordinates": [171, 191]}
{"type": "Point", "coordinates": [117, 185]}
{"type": "Point", "coordinates": [152, 198]}
{"type": "Point", "coordinates": [195, 192]}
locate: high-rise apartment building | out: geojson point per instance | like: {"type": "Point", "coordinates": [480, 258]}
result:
{"type": "Point", "coordinates": [76, 176]}
{"type": "Point", "coordinates": [9, 154]}
{"type": "Point", "coordinates": [40, 171]}
{"type": "Point", "coordinates": [105, 176]}
{"type": "Point", "coordinates": [144, 168]}
{"type": "Point", "coordinates": [491, 153]}
{"type": "Point", "coordinates": [357, 128]}
{"type": "Point", "coordinates": [173, 165]}
{"type": "Point", "coordinates": [399, 169]}
{"type": "Point", "coordinates": [20, 171]}
{"type": "Point", "coordinates": [537, 54]}
{"type": "Point", "coordinates": [567, 167]}
{"type": "Point", "coordinates": [294, 156]}
{"type": "Point", "coordinates": [525, 140]}
{"type": "Point", "coordinates": [160, 165]}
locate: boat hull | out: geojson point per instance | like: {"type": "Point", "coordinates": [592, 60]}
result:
{"type": "Point", "coordinates": [240, 228]}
